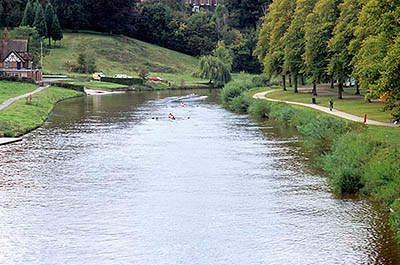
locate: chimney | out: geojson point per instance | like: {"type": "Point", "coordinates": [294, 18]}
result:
{"type": "Point", "coordinates": [5, 35]}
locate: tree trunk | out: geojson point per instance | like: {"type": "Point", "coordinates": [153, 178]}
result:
{"type": "Point", "coordinates": [290, 80]}
{"type": "Point", "coordinates": [295, 83]}
{"type": "Point", "coordinates": [302, 80]}
{"type": "Point", "coordinates": [284, 83]}
{"type": "Point", "coordinates": [340, 89]}
{"type": "Point", "coordinates": [314, 88]}
{"type": "Point", "coordinates": [49, 41]}
{"type": "Point", "coordinates": [55, 44]}
{"type": "Point", "coordinates": [332, 83]}
{"type": "Point", "coordinates": [357, 89]}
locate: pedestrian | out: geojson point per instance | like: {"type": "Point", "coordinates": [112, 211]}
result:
{"type": "Point", "coordinates": [331, 104]}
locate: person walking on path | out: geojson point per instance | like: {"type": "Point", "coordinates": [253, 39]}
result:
{"type": "Point", "coordinates": [331, 105]}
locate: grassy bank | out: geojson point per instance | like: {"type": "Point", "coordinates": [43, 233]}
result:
{"type": "Point", "coordinates": [14, 89]}
{"type": "Point", "coordinates": [118, 55]}
{"type": "Point", "coordinates": [19, 118]}
{"type": "Point", "coordinates": [359, 159]}
{"type": "Point", "coordinates": [97, 85]}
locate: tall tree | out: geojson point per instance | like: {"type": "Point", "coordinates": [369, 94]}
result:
{"type": "Point", "coordinates": [49, 14]}
{"type": "Point", "coordinates": [56, 32]}
{"type": "Point", "coordinates": [275, 25]}
{"type": "Point", "coordinates": [340, 66]}
{"type": "Point", "coordinates": [294, 42]}
{"type": "Point", "coordinates": [40, 20]}
{"type": "Point", "coordinates": [215, 70]}
{"type": "Point", "coordinates": [11, 12]}
{"type": "Point", "coordinates": [377, 28]}
{"type": "Point", "coordinates": [318, 31]}
{"type": "Point", "coordinates": [29, 16]}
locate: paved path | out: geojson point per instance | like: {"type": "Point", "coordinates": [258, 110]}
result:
{"type": "Point", "coordinates": [341, 114]}
{"type": "Point", "coordinates": [7, 103]}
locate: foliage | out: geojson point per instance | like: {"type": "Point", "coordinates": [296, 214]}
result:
{"type": "Point", "coordinates": [345, 163]}
{"type": "Point", "coordinates": [39, 21]}
{"type": "Point", "coordinates": [245, 13]}
{"type": "Point", "coordinates": [29, 16]}
{"type": "Point", "coordinates": [56, 32]}
{"type": "Point", "coordinates": [222, 53]}
{"type": "Point", "coordinates": [86, 63]}
{"type": "Point", "coordinates": [240, 104]}
{"type": "Point", "coordinates": [49, 15]}
{"type": "Point", "coordinates": [215, 70]}
{"type": "Point", "coordinates": [229, 92]}
{"type": "Point", "coordinates": [260, 108]}
{"type": "Point", "coordinates": [123, 81]}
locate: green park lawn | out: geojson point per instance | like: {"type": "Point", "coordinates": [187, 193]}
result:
{"type": "Point", "coordinates": [14, 89]}
{"type": "Point", "coordinates": [357, 107]}
{"type": "Point", "coordinates": [19, 118]}
{"type": "Point", "coordinates": [96, 84]}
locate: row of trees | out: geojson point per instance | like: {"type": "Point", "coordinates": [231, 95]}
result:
{"type": "Point", "coordinates": [44, 20]}
{"type": "Point", "coordinates": [335, 39]}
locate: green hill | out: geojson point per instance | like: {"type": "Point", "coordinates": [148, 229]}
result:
{"type": "Point", "coordinates": [118, 55]}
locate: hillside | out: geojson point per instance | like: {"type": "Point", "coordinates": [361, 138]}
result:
{"type": "Point", "coordinates": [118, 54]}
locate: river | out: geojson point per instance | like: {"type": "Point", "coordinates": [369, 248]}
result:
{"type": "Point", "coordinates": [111, 180]}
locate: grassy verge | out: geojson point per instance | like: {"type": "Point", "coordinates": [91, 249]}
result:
{"type": "Point", "coordinates": [359, 159]}
{"type": "Point", "coordinates": [357, 107]}
{"type": "Point", "coordinates": [19, 118]}
{"type": "Point", "coordinates": [14, 89]}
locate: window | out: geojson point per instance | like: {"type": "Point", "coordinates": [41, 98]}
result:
{"type": "Point", "coordinates": [6, 65]}
{"type": "Point", "coordinates": [208, 2]}
{"type": "Point", "coordinates": [202, 2]}
{"type": "Point", "coordinates": [24, 74]}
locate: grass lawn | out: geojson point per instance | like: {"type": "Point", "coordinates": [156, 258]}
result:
{"type": "Point", "coordinates": [14, 89]}
{"type": "Point", "coordinates": [356, 107]}
{"type": "Point", "coordinates": [19, 118]}
{"type": "Point", "coordinates": [118, 55]}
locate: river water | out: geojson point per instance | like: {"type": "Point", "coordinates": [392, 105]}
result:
{"type": "Point", "coordinates": [102, 182]}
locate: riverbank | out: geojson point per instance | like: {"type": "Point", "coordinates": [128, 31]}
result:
{"type": "Point", "coordinates": [20, 118]}
{"type": "Point", "coordinates": [368, 155]}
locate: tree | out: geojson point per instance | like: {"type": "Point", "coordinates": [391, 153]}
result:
{"type": "Point", "coordinates": [318, 31]}
{"type": "Point", "coordinates": [86, 63]}
{"type": "Point", "coordinates": [29, 16]}
{"type": "Point", "coordinates": [40, 20]}
{"type": "Point", "coordinates": [340, 66]}
{"type": "Point", "coordinates": [56, 32]}
{"type": "Point", "coordinates": [223, 54]}
{"type": "Point", "coordinates": [243, 59]}
{"type": "Point", "coordinates": [49, 15]}
{"type": "Point", "coordinates": [294, 42]}
{"type": "Point", "coordinates": [275, 25]}
{"type": "Point", "coordinates": [11, 12]}
{"type": "Point", "coordinates": [215, 70]}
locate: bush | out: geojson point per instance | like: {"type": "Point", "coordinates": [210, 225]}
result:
{"type": "Point", "coordinates": [322, 131]}
{"type": "Point", "coordinates": [260, 81]}
{"type": "Point", "coordinates": [350, 153]}
{"type": "Point", "coordinates": [382, 176]}
{"type": "Point", "coordinates": [229, 92]}
{"type": "Point", "coordinates": [69, 86]}
{"type": "Point", "coordinates": [240, 104]}
{"type": "Point", "coordinates": [260, 108]}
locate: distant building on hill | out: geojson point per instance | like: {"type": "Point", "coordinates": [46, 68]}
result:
{"type": "Point", "coordinates": [15, 59]}
{"type": "Point", "coordinates": [196, 5]}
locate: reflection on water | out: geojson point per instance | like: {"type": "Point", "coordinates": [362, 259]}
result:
{"type": "Point", "coordinates": [105, 182]}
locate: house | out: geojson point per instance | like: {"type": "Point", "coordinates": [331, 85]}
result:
{"type": "Point", "coordinates": [196, 5]}
{"type": "Point", "coordinates": [15, 59]}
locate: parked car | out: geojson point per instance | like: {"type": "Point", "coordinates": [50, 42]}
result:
{"type": "Point", "coordinates": [122, 76]}
{"type": "Point", "coordinates": [156, 79]}
{"type": "Point", "coordinates": [99, 74]}
{"type": "Point", "coordinates": [350, 82]}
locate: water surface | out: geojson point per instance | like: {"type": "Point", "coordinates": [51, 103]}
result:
{"type": "Point", "coordinates": [105, 182]}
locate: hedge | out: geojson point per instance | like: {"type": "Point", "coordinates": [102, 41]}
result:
{"type": "Point", "coordinates": [123, 81]}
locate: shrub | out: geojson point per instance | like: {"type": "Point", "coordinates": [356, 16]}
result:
{"type": "Point", "coordinates": [346, 161]}
{"type": "Point", "coordinates": [69, 86]}
{"type": "Point", "coordinates": [260, 108]}
{"type": "Point", "coordinates": [123, 81]}
{"type": "Point", "coordinates": [260, 81]}
{"type": "Point", "coordinates": [382, 176]}
{"type": "Point", "coordinates": [229, 92]}
{"type": "Point", "coordinates": [240, 104]}
{"type": "Point", "coordinates": [322, 131]}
